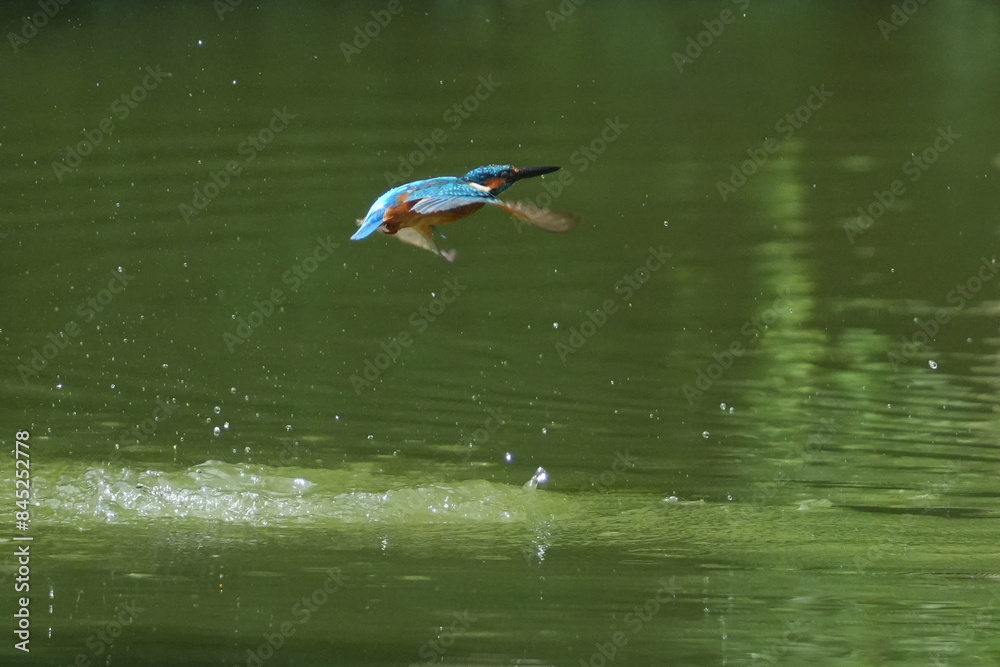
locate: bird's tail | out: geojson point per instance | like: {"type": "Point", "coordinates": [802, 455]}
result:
{"type": "Point", "coordinates": [543, 218]}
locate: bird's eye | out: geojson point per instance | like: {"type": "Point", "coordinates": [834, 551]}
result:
{"type": "Point", "coordinates": [506, 173]}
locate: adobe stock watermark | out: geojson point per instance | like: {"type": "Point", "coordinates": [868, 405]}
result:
{"type": "Point", "coordinates": [363, 37]}
{"type": "Point", "coordinates": [957, 641]}
{"type": "Point", "coordinates": [786, 127]}
{"type": "Point", "coordinates": [223, 7]}
{"type": "Point", "coordinates": [484, 433]}
{"type": "Point", "coordinates": [622, 463]}
{"type": "Point", "coordinates": [88, 310]}
{"type": "Point", "coordinates": [634, 620]}
{"type": "Point", "coordinates": [562, 13]}
{"type": "Point", "coordinates": [753, 329]}
{"type": "Point", "coordinates": [296, 275]}
{"type": "Point", "coordinates": [248, 149]}
{"type": "Point", "coordinates": [433, 650]}
{"type": "Point", "coordinates": [120, 108]}
{"type": "Point", "coordinates": [915, 167]}
{"type": "Point", "coordinates": [958, 297]}
{"type": "Point", "coordinates": [582, 158]}
{"type": "Point", "coordinates": [101, 641]}
{"type": "Point", "coordinates": [454, 116]}
{"type": "Point", "coordinates": [30, 25]}
{"type": "Point", "coordinates": [900, 14]}
{"type": "Point", "coordinates": [298, 615]}
{"type": "Point", "coordinates": [626, 287]}
{"type": "Point", "coordinates": [147, 427]}
{"type": "Point", "coordinates": [791, 637]}
{"type": "Point", "coordinates": [698, 44]}
{"type": "Point", "coordinates": [419, 321]}
{"type": "Point", "coordinates": [891, 541]}
{"type": "Point", "coordinates": [821, 435]}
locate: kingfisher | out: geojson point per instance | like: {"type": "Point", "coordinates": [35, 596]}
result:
{"type": "Point", "coordinates": [412, 210]}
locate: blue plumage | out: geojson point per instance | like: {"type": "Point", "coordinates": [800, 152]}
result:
{"type": "Point", "coordinates": [432, 195]}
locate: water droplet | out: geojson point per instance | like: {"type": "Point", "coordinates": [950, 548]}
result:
{"type": "Point", "coordinates": [216, 430]}
{"type": "Point", "coordinates": [217, 409]}
{"type": "Point", "coordinates": [226, 426]}
{"type": "Point", "coordinates": [932, 364]}
{"type": "Point", "coordinates": [508, 457]}
{"type": "Point", "coordinates": [545, 431]}
{"type": "Point", "coordinates": [555, 325]}
{"type": "Point", "coordinates": [704, 434]}
{"type": "Point", "coordinates": [540, 477]}
{"type": "Point", "coordinates": [722, 406]}
{"type": "Point", "coordinates": [232, 390]}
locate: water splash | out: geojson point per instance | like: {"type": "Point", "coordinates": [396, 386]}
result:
{"type": "Point", "coordinates": [540, 477]}
{"type": "Point", "coordinates": [263, 495]}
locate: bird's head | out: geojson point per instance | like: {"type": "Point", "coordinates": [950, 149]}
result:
{"type": "Point", "coordinates": [499, 177]}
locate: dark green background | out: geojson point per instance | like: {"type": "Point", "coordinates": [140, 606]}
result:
{"type": "Point", "coordinates": [810, 498]}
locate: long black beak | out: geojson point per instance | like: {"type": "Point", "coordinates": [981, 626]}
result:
{"type": "Point", "coordinates": [528, 172]}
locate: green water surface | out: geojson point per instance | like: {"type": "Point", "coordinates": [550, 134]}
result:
{"type": "Point", "coordinates": [761, 377]}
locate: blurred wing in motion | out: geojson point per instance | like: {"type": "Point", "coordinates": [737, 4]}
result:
{"type": "Point", "coordinates": [413, 237]}
{"type": "Point", "coordinates": [543, 218]}
{"type": "Point", "coordinates": [421, 238]}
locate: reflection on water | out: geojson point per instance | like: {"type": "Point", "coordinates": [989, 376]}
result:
{"type": "Point", "coordinates": [779, 445]}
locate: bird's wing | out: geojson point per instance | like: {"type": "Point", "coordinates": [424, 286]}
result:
{"type": "Point", "coordinates": [437, 204]}
{"type": "Point", "coordinates": [413, 237]}
{"type": "Point", "coordinates": [543, 218]}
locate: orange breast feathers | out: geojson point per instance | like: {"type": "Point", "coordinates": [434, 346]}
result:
{"type": "Point", "coordinates": [400, 215]}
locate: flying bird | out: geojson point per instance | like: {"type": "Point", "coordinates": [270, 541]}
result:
{"type": "Point", "coordinates": [411, 211]}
